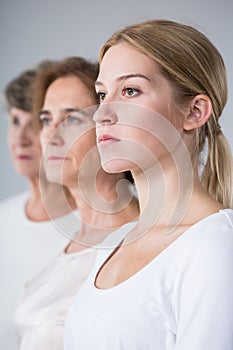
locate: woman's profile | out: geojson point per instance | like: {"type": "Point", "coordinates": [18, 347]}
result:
{"type": "Point", "coordinates": [168, 283]}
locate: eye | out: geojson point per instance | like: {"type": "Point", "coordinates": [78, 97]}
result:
{"type": "Point", "coordinates": [45, 121]}
{"type": "Point", "coordinates": [101, 95]}
{"type": "Point", "coordinates": [130, 92]}
{"type": "Point", "coordinates": [15, 121]}
{"type": "Point", "coordinates": [73, 119]}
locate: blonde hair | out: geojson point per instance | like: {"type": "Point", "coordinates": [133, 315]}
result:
{"type": "Point", "coordinates": [193, 66]}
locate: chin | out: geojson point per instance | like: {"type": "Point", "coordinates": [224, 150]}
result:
{"type": "Point", "coordinates": [116, 165]}
{"type": "Point", "coordinates": [54, 179]}
{"type": "Point", "coordinates": [28, 172]}
{"type": "Point", "coordinates": [53, 175]}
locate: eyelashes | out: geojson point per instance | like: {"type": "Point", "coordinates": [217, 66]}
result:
{"type": "Point", "coordinates": [45, 121]}
{"type": "Point", "coordinates": [125, 92]}
{"type": "Point", "coordinates": [130, 92]}
{"type": "Point", "coordinates": [15, 121]}
{"type": "Point", "coordinates": [101, 95]}
{"type": "Point", "coordinates": [72, 119]}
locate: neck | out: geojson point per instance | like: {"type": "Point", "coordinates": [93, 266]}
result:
{"type": "Point", "coordinates": [108, 196]}
{"type": "Point", "coordinates": [164, 192]}
{"type": "Point", "coordinates": [105, 205]}
{"type": "Point", "coordinates": [172, 196]}
{"type": "Point", "coordinates": [35, 209]}
{"type": "Point", "coordinates": [43, 195]}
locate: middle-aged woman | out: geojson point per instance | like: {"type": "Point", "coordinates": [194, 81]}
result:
{"type": "Point", "coordinates": [168, 284]}
{"type": "Point", "coordinates": [65, 99]}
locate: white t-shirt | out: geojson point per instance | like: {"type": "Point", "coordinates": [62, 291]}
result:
{"type": "Point", "coordinates": [41, 313]}
{"type": "Point", "coordinates": [181, 300]}
{"type": "Point", "coordinates": [25, 247]}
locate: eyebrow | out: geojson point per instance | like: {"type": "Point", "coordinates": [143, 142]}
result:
{"type": "Point", "coordinates": [125, 77]}
{"type": "Point", "coordinates": [43, 112]}
{"type": "Point", "coordinates": [65, 110]}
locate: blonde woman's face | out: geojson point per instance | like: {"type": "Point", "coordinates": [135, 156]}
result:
{"type": "Point", "coordinates": [68, 132]}
{"type": "Point", "coordinates": [135, 110]}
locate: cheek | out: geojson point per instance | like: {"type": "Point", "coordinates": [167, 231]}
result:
{"type": "Point", "coordinates": [43, 144]}
{"type": "Point", "coordinates": [44, 135]}
{"type": "Point", "coordinates": [10, 139]}
{"type": "Point", "coordinates": [77, 152]}
{"type": "Point", "coordinates": [81, 148]}
{"type": "Point", "coordinates": [38, 152]}
{"type": "Point", "coordinates": [161, 108]}
{"type": "Point", "coordinates": [36, 141]}
{"type": "Point", "coordinates": [133, 133]}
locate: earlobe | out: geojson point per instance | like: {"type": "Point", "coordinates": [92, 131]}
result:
{"type": "Point", "coordinates": [199, 113]}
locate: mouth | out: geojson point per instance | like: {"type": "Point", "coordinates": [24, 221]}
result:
{"type": "Point", "coordinates": [107, 139]}
{"type": "Point", "coordinates": [57, 158]}
{"type": "Point", "coordinates": [24, 157]}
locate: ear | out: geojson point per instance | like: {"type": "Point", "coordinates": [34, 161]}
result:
{"type": "Point", "coordinates": [199, 112]}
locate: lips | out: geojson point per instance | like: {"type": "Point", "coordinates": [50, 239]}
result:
{"type": "Point", "coordinates": [106, 139]}
{"type": "Point", "coordinates": [24, 157]}
{"type": "Point", "coordinates": [57, 158]}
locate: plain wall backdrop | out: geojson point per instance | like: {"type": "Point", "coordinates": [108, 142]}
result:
{"type": "Point", "coordinates": [31, 31]}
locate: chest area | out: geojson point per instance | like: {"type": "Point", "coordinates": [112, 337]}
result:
{"type": "Point", "coordinates": [129, 258]}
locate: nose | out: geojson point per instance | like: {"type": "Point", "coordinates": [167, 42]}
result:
{"type": "Point", "coordinates": [24, 137]}
{"type": "Point", "coordinates": [55, 138]}
{"type": "Point", "coordinates": [105, 114]}
{"type": "Point", "coordinates": [52, 135]}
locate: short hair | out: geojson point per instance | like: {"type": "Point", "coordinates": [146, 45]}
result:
{"type": "Point", "coordinates": [19, 91]}
{"type": "Point", "coordinates": [75, 66]}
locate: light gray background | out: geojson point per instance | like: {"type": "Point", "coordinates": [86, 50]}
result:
{"type": "Point", "coordinates": [34, 30]}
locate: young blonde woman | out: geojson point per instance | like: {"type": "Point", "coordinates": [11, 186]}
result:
{"type": "Point", "coordinates": [168, 283]}
{"type": "Point", "coordinates": [65, 100]}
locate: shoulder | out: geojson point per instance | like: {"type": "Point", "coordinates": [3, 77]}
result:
{"type": "Point", "coordinates": [215, 232]}
{"type": "Point", "coordinates": [212, 230]}
{"type": "Point", "coordinates": [205, 284]}
{"type": "Point", "coordinates": [208, 248]}
{"type": "Point", "coordinates": [18, 198]}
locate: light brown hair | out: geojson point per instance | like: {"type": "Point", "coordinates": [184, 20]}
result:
{"type": "Point", "coordinates": [72, 66]}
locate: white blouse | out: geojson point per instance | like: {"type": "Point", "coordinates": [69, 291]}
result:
{"type": "Point", "coordinates": [25, 248]}
{"type": "Point", "coordinates": [42, 309]}
{"type": "Point", "coordinates": [181, 300]}
{"type": "Point", "coordinates": [41, 312]}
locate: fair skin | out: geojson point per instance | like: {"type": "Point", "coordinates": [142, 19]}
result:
{"type": "Point", "coordinates": [24, 143]}
{"type": "Point", "coordinates": [70, 156]}
{"type": "Point", "coordinates": [131, 80]}
{"type": "Point", "coordinates": [25, 149]}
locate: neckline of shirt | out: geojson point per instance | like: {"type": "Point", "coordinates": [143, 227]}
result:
{"type": "Point", "coordinates": [52, 222]}
{"type": "Point", "coordinates": [156, 259]}
{"type": "Point", "coordinates": [99, 246]}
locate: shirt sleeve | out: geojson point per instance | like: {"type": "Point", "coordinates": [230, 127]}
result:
{"type": "Point", "coordinates": [205, 313]}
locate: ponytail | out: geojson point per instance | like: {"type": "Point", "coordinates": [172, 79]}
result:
{"type": "Point", "coordinates": [217, 176]}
